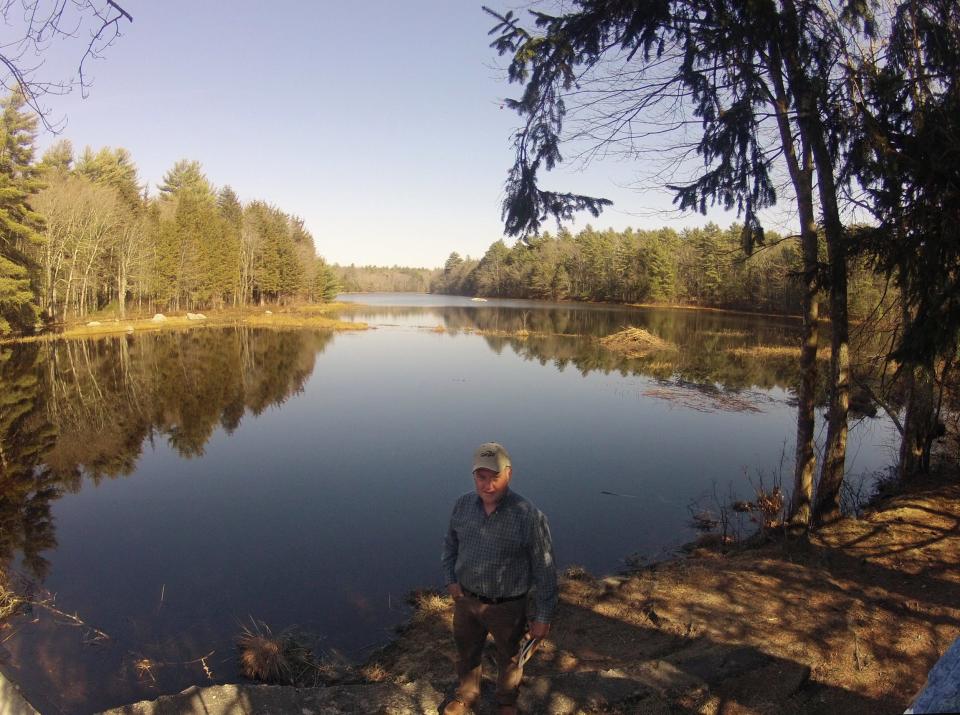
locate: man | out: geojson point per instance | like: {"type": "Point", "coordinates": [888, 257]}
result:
{"type": "Point", "coordinates": [497, 550]}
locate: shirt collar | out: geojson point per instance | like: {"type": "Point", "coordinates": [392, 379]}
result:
{"type": "Point", "coordinates": [507, 498]}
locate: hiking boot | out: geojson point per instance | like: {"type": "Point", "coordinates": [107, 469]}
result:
{"type": "Point", "coordinates": [457, 707]}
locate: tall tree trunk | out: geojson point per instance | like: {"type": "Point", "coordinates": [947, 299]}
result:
{"type": "Point", "coordinates": [805, 464]}
{"type": "Point", "coordinates": [813, 134]}
{"type": "Point", "coordinates": [122, 288]}
{"type": "Point", "coordinates": [827, 506]}
{"type": "Point", "coordinates": [918, 421]}
{"type": "Point", "coordinates": [801, 176]}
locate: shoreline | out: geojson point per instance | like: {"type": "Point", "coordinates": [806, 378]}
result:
{"type": "Point", "coordinates": [308, 315]}
{"type": "Point", "coordinates": [659, 306]}
{"type": "Point", "coordinates": [850, 620]}
{"type": "Point", "coordinates": [300, 316]}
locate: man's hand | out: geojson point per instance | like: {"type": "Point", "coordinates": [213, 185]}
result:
{"type": "Point", "coordinates": [539, 630]}
{"type": "Point", "coordinates": [455, 591]}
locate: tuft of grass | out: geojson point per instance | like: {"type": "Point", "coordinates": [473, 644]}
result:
{"type": "Point", "coordinates": [575, 572]}
{"type": "Point", "coordinates": [144, 668]}
{"type": "Point", "coordinates": [426, 601]}
{"type": "Point", "coordinates": [374, 673]}
{"type": "Point", "coordinates": [284, 659]}
{"type": "Point", "coordinates": [10, 599]}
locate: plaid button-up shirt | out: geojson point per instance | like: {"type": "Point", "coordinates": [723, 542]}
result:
{"type": "Point", "coordinates": [507, 553]}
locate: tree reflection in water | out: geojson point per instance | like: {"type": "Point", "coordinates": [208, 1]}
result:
{"type": "Point", "coordinates": [82, 409]}
{"type": "Point", "coordinates": [715, 350]}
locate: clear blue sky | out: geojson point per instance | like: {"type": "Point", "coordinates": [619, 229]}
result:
{"type": "Point", "coordinates": [378, 122]}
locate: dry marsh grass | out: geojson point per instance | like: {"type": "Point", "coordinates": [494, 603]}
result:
{"type": "Point", "coordinates": [283, 659]}
{"type": "Point", "coordinates": [774, 352]}
{"type": "Point", "coordinates": [301, 316]}
{"type": "Point", "coordinates": [319, 308]}
{"type": "Point", "coordinates": [725, 333]}
{"type": "Point", "coordinates": [295, 320]}
{"type": "Point", "coordinates": [636, 342]}
{"type": "Point", "coordinates": [428, 603]}
{"type": "Point", "coordinates": [374, 673]}
{"type": "Point", "coordinates": [10, 598]}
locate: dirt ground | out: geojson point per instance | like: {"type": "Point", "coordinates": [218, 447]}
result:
{"type": "Point", "coordinates": [849, 621]}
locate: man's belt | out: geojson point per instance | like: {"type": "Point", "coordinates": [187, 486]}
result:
{"type": "Point", "coordinates": [492, 601]}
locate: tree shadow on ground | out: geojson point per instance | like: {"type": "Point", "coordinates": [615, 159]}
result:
{"type": "Point", "coordinates": [598, 663]}
{"type": "Point", "coordinates": [850, 621]}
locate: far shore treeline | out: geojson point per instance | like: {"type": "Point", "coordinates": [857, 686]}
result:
{"type": "Point", "coordinates": [703, 267]}
{"type": "Point", "coordinates": [695, 266]}
{"type": "Point", "coordinates": [80, 234]}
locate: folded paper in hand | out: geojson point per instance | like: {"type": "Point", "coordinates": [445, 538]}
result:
{"type": "Point", "coordinates": [527, 646]}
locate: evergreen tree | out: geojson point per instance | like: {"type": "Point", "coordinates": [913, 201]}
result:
{"type": "Point", "coordinates": [662, 267]}
{"type": "Point", "coordinates": [907, 154]}
{"type": "Point", "coordinates": [59, 157]}
{"type": "Point", "coordinates": [185, 174]}
{"type": "Point", "coordinates": [230, 208]}
{"type": "Point", "coordinates": [740, 66]}
{"type": "Point", "coordinates": [324, 287]}
{"type": "Point", "coordinates": [231, 213]}
{"type": "Point", "coordinates": [453, 262]}
{"type": "Point", "coordinates": [491, 275]}
{"type": "Point", "coordinates": [19, 223]}
{"type": "Point", "coordinates": [114, 168]}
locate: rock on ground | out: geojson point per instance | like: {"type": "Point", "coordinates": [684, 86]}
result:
{"type": "Point", "coordinates": [380, 698]}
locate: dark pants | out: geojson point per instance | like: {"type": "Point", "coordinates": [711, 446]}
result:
{"type": "Point", "coordinates": [506, 622]}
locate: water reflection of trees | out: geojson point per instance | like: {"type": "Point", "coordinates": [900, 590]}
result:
{"type": "Point", "coordinates": [71, 410]}
{"type": "Point", "coordinates": [27, 488]}
{"type": "Point", "coordinates": [711, 348]}
{"type": "Point", "coordinates": [721, 350]}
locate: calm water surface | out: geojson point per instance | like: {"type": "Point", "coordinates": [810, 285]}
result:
{"type": "Point", "coordinates": [166, 488]}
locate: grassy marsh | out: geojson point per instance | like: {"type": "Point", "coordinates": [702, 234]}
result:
{"type": "Point", "coordinates": [774, 352]}
{"type": "Point", "coordinates": [300, 316]}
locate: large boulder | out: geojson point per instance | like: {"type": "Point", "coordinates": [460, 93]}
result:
{"type": "Point", "coordinates": [159, 318]}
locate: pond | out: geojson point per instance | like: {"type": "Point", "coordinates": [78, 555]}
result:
{"type": "Point", "coordinates": [161, 490]}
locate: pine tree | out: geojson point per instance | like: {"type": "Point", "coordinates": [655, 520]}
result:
{"type": "Point", "coordinates": [231, 212]}
{"type": "Point", "coordinates": [114, 168]}
{"type": "Point", "coordinates": [19, 223]}
{"type": "Point", "coordinates": [59, 157]}
{"type": "Point", "coordinates": [185, 174]}
{"type": "Point", "coordinates": [325, 285]}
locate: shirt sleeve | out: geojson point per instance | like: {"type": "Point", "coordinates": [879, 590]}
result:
{"type": "Point", "coordinates": [543, 570]}
{"type": "Point", "coordinates": [448, 558]}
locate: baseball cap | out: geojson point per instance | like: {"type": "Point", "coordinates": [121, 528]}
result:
{"type": "Point", "coordinates": [492, 456]}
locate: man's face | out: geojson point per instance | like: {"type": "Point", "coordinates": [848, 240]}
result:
{"type": "Point", "coordinates": [491, 486]}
